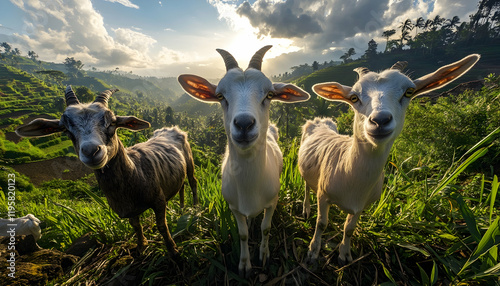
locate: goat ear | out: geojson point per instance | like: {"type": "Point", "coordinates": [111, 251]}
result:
{"type": "Point", "coordinates": [198, 87]}
{"type": "Point", "coordinates": [444, 75]}
{"type": "Point", "coordinates": [40, 127]}
{"type": "Point", "coordinates": [131, 122]}
{"type": "Point", "coordinates": [332, 91]}
{"type": "Point", "coordinates": [289, 93]}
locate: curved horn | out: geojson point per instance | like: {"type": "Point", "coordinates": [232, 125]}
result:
{"type": "Point", "coordinates": [401, 65]}
{"type": "Point", "coordinates": [361, 71]}
{"type": "Point", "coordinates": [70, 96]}
{"type": "Point", "coordinates": [229, 60]}
{"type": "Point", "coordinates": [104, 96]}
{"type": "Point", "coordinates": [256, 61]}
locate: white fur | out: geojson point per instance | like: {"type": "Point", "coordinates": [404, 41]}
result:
{"type": "Point", "coordinates": [253, 161]}
{"type": "Point", "coordinates": [348, 170]}
{"type": "Point", "coordinates": [26, 225]}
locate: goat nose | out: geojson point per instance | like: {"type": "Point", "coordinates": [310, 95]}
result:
{"type": "Point", "coordinates": [244, 122]}
{"type": "Point", "coordinates": [89, 149]}
{"type": "Point", "coordinates": [381, 118]}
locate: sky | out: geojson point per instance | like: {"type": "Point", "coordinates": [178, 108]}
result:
{"type": "Point", "coordinates": [165, 38]}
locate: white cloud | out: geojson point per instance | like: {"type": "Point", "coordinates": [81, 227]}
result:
{"type": "Point", "coordinates": [76, 29]}
{"type": "Point", "coordinates": [324, 30]}
{"type": "Point", "coordinates": [126, 3]}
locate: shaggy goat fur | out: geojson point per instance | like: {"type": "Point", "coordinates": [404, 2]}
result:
{"type": "Point", "coordinates": [348, 170]}
{"type": "Point", "coordinates": [133, 179]}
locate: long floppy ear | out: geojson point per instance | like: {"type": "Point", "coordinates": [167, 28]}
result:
{"type": "Point", "coordinates": [289, 93]}
{"type": "Point", "coordinates": [333, 91]}
{"type": "Point", "coordinates": [131, 122]}
{"type": "Point", "coordinates": [40, 127]}
{"type": "Point", "coordinates": [444, 75]}
{"type": "Point", "coordinates": [198, 87]}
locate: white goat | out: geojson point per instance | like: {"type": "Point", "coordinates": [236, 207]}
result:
{"type": "Point", "coordinates": [348, 171]}
{"type": "Point", "coordinates": [25, 225]}
{"type": "Point", "coordinates": [133, 179]}
{"type": "Point", "coordinates": [253, 161]}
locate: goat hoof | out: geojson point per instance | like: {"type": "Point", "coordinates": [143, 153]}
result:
{"type": "Point", "coordinates": [246, 273]}
{"type": "Point", "coordinates": [311, 258]}
{"type": "Point", "coordinates": [245, 269]}
{"type": "Point", "coordinates": [341, 262]}
{"type": "Point", "coordinates": [344, 261]}
{"type": "Point", "coordinates": [305, 214]}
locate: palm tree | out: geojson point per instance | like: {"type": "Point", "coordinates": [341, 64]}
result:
{"type": "Point", "coordinates": [347, 56]}
{"type": "Point", "coordinates": [387, 34]}
{"type": "Point", "coordinates": [351, 52]}
{"type": "Point", "coordinates": [428, 24]}
{"type": "Point", "coordinates": [406, 27]}
{"type": "Point", "coordinates": [420, 23]}
{"type": "Point", "coordinates": [438, 21]}
{"type": "Point", "coordinates": [452, 23]}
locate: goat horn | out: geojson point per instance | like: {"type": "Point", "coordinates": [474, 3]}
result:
{"type": "Point", "coordinates": [104, 96]}
{"type": "Point", "coordinates": [229, 60]}
{"type": "Point", "coordinates": [70, 96]}
{"type": "Point", "coordinates": [256, 61]}
{"type": "Point", "coordinates": [361, 71]}
{"type": "Point", "coordinates": [401, 65]}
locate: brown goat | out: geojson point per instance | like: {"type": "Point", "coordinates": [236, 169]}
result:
{"type": "Point", "coordinates": [133, 179]}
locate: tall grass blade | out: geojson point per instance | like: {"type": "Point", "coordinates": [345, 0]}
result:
{"type": "Point", "coordinates": [486, 140]}
{"type": "Point", "coordinates": [425, 278]}
{"type": "Point", "coordinates": [478, 154]}
{"type": "Point", "coordinates": [388, 273]}
{"type": "Point", "coordinates": [490, 239]}
{"type": "Point", "coordinates": [434, 273]}
{"type": "Point", "coordinates": [469, 218]}
{"type": "Point", "coordinates": [495, 270]}
{"type": "Point", "coordinates": [494, 190]}
{"type": "Point", "coordinates": [482, 190]}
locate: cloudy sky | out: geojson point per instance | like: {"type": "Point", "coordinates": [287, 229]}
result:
{"type": "Point", "coordinates": [169, 37]}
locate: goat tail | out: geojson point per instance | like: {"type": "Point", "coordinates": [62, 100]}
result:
{"type": "Point", "coordinates": [312, 126]}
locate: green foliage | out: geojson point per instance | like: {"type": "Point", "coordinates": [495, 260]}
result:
{"type": "Point", "coordinates": [442, 131]}
{"type": "Point", "coordinates": [22, 183]}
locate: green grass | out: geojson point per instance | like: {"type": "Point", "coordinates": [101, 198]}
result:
{"type": "Point", "coordinates": [436, 223]}
{"type": "Point", "coordinates": [426, 229]}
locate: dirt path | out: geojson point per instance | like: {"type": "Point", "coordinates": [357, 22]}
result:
{"type": "Point", "coordinates": [66, 168]}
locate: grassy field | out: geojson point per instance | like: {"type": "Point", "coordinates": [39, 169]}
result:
{"type": "Point", "coordinates": [427, 229]}
{"type": "Point", "coordinates": [437, 222]}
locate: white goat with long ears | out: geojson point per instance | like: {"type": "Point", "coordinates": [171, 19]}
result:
{"type": "Point", "coordinates": [133, 179]}
{"type": "Point", "coordinates": [348, 170]}
{"type": "Point", "coordinates": [253, 161]}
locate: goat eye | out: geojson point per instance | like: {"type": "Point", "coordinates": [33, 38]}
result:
{"type": "Point", "coordinates": [270, 95]}
{"type": "Point", "coordinates": [409, 92]}
{"type": "Point", "coordinates": [354, 98]}
{"type": "Point", "coordinates": [219, 96]}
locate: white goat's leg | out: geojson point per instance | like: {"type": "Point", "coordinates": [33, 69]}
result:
{"type": "Point", "coordinates": [321, 223]}
{"type": "Point", "coordinates": [245, 266]}
{"type": "Point", "coordinates": [306, 206]}
{"type": "Point", "coordinates": [266, 229]}
{"type": "Point", "coordinates": [345, 246]}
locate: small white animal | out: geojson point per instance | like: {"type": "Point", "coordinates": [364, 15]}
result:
{"type": "Point", "coordinates": [25, 225]}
